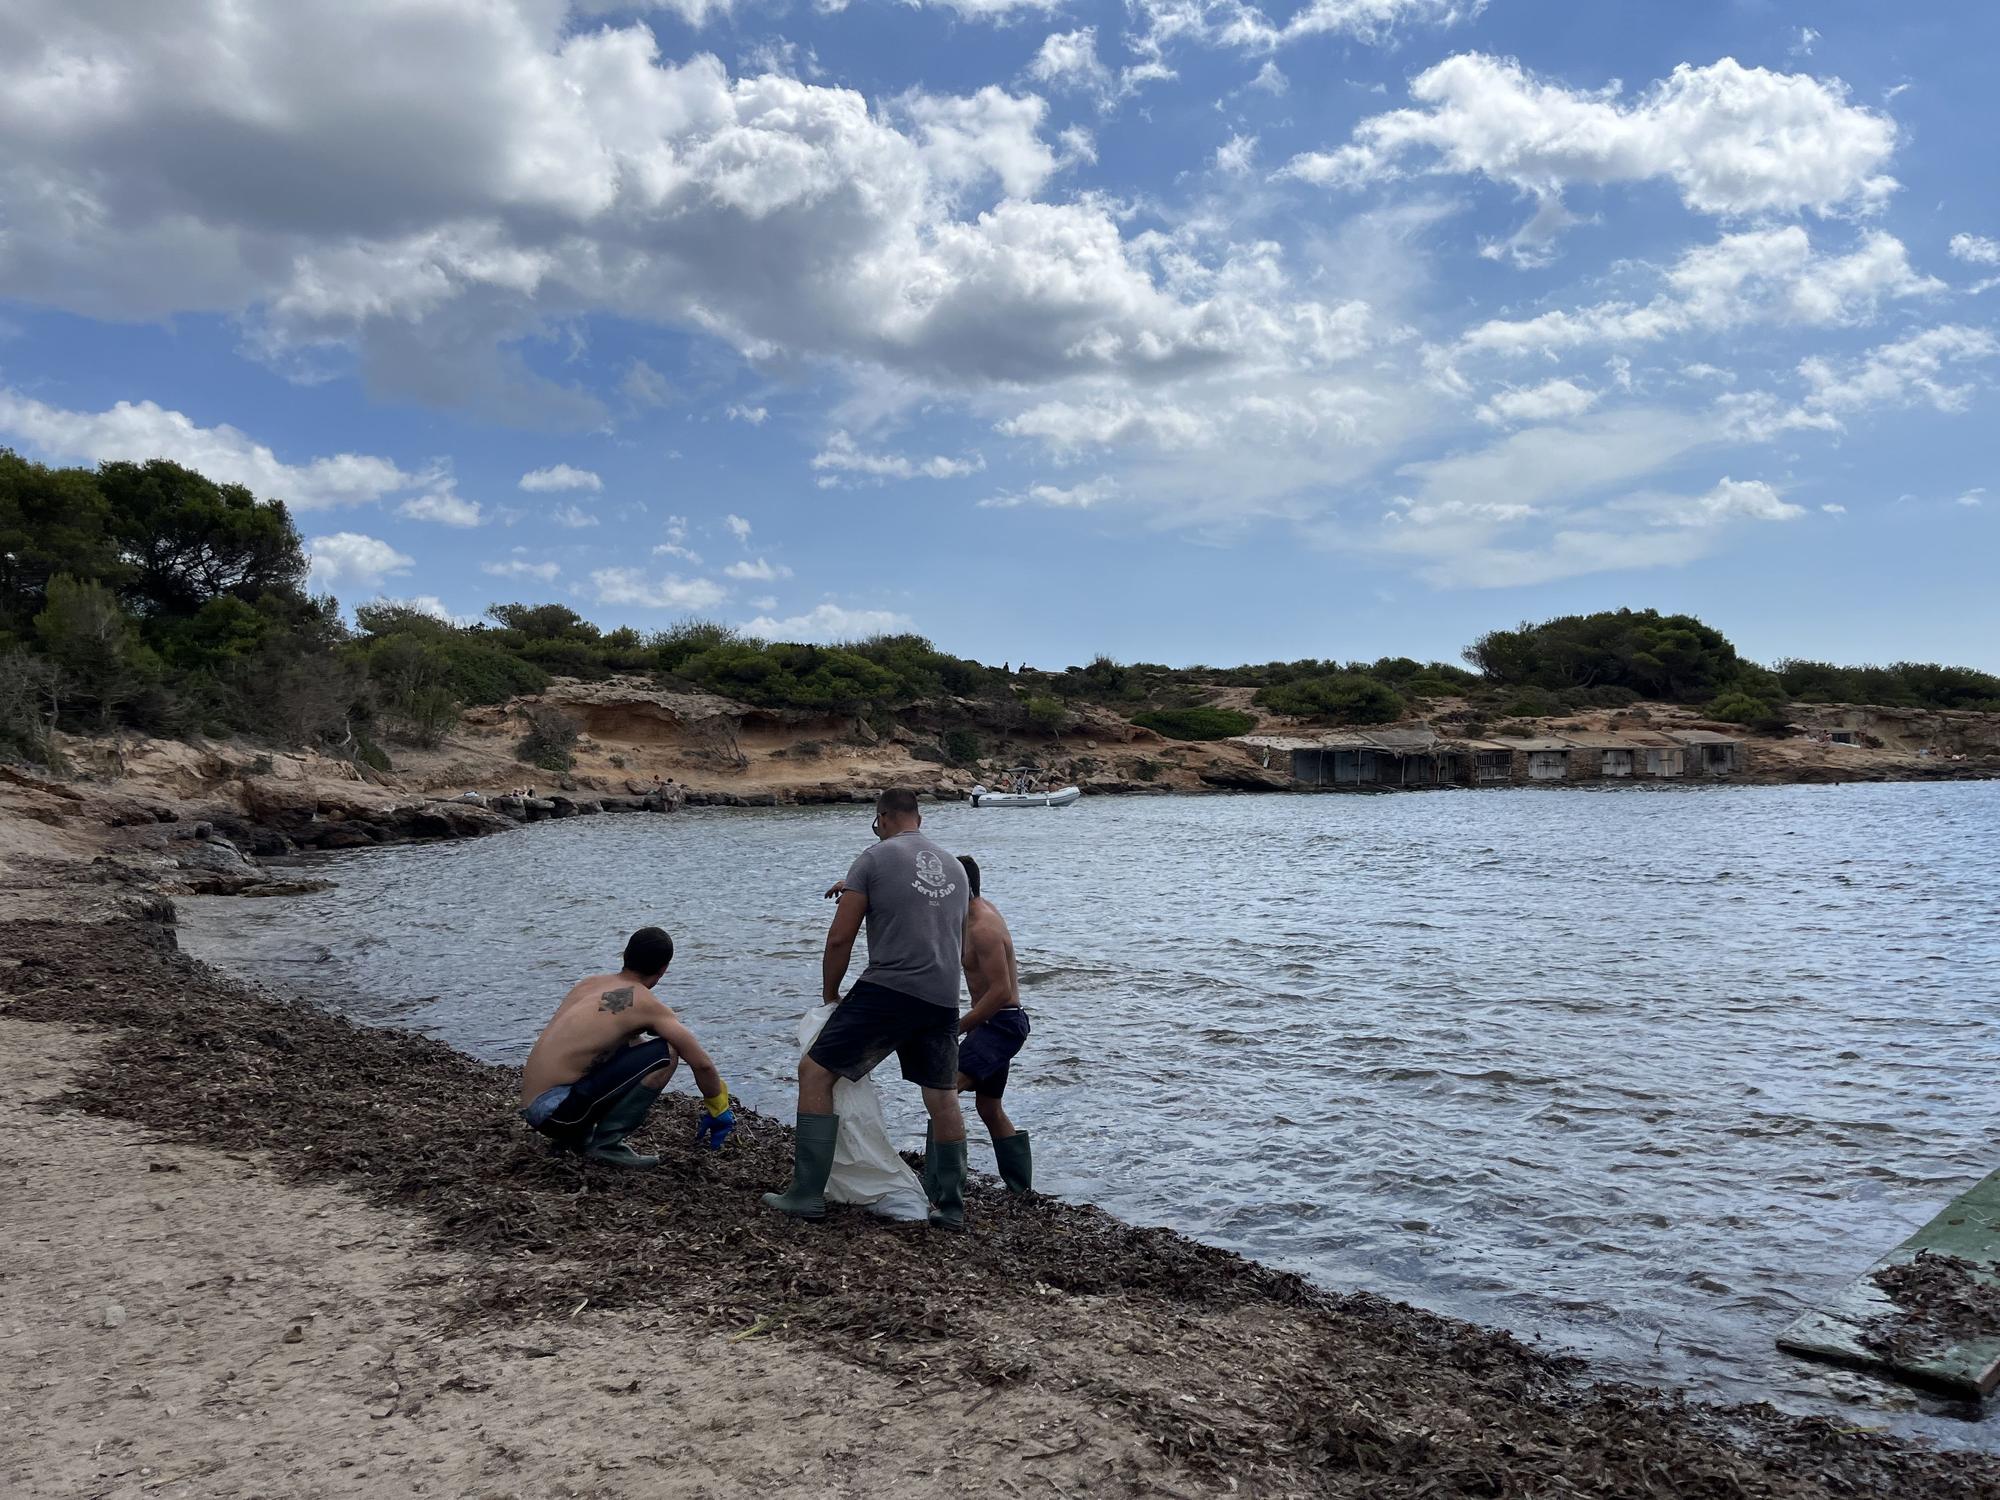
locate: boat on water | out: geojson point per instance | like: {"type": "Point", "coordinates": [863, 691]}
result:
{"type": "Point", "coordinates": [1019, 790]}
{"type": "Point", "coordinates": [1061, 798]}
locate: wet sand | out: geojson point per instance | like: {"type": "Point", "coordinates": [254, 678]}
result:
{"type": "Point", "coordinates": [480, 1308]}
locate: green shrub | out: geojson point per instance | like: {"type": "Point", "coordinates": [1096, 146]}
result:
{"type": "Point", "coordinates": [1147, 770]}
{"type": "Point", "coordinates": [962, 747]}
{"type": "Point", "coordinates": [1535, 703]}
{"type": "Point", "coordinates": [1196, 723]}
{"type": "Point", "coordinates": [551, 738]}
{"type": "Point", "coordinates": [1047, 714]}
{"type": "Point", "coordinates": [1336, 698]}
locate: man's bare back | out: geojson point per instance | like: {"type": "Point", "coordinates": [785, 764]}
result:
{"type": "Point", "coordinates": [989, 960]}
{"type": "Point", "coordinates": [597, 1017]}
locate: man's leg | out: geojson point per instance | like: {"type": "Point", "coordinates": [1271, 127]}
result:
{"type": "Point", "coordinates": [815, 1088]}
{"type": "Point", "coordinates": [994, 1114]}
{"type": "Point", "coordinates": [626, 1113]}
{"type": "Point", "coordinates": [947, 1119]}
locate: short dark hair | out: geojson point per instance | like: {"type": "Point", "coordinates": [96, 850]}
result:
{"type": "Point", "coordinates": [898, 801]}
{"type": "Point", "coordinates": [649, 951]}
{"type": "Point", "coordinates": [971, 871]}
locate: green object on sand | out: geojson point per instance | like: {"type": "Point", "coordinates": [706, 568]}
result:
{"type": "Point", "coordinates": [944, 1182]}
{"type": "Point", "coordinates": [618, 1154]}
{"type": "Point", "coordinates": [1959, 1357]}
{"type": "Point", "coordinates": [1016, 1163]}
{"type": "Point", "coordinates": [812, 1164]}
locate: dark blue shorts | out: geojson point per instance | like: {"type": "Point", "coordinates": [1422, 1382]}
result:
{"type": "Point", "coordinates": [987, 1051]}
{"type": "Point", "coordinates": [874, 1020]}
{"type": "Point", "coordinates": [575, 1108]}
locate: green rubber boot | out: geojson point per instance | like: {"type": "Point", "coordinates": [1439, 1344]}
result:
{"type": "Point", "coordinates": [812, 1164]}
{"type": "Point", "coordinates": [945, 1173]}
{"type": "Point", "coordinates": [930, 1157]}
{"type": "Point", "coordinates": [1017, 1165]}
{"type": "Point", "coordinates": [607, 1141]}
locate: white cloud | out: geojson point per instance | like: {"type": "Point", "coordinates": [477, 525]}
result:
{"type": "Point", "coordinates": [1234, 156]}
{"type": "Point", "coordinates": [139, 431]}
{"type": "Point", "coordinates": [982, 10]}
{"type": "Point", "coordinates": [1733, 140]}
{"type": "Point", "coordinates": [830, 622]}
{"type": "Point", "coordinates": [1075, 497]}
{"type": "Point", "coordinates": [1804, 45]}
{"type": "Point", "coordinates": [1758, 276]}
{"type": "Point", "coordinates": [842, 456]}
{"type": "Point", "coordinates": [630, 586]}
{"type": "Point", "coordinates": [428, 604]}
{"type": "Point", "coordinates": [758, 571]}
{"type": "Point", "coordinates": [1975, 249]}
{"type": "Point", "coordinates": [1737, 500]}
{"type": "Point", "coordinates": [347, 558]}
{"type": "Point", "coordinates": [696, 13]}
{"type": "Point", "coordinates": [520, 567]}
{"type": "Point", "coordinates": [754, 415]}
{"type": "Point", "coordinates": [560, 477]}
{"type": "Point", "coordinates": [645, 386]}
{"type": "Point", "coordinates": [569, 173]}
{"type": "Point", "coordinates": [1068, 59]}
{"type": "Point", "coordinates": [765, 602]}
{"type": "Point", "coordinates": [1236, 23]}
{"type": "Point", "coordinates": [1907, 372]}
{"type": "Point", "coordinates": [445, 506]}
{"type": "Point", "coordinates": [738, 528]}
{"type": "Point", "coordinates": [573, 517]}
{"type": "Point", "coordinates": [1972, 499]}
{"type": "Point", "coordinates": [1551, 401]}
{"type": "Point", "coordinates": [1270, 79]}
{"type": "Point", "coordinates": [675, 549]}
{"type": "Point", "coordinates": [1834, 510]}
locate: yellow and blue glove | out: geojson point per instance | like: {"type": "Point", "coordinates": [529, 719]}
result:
{"type": "Point", "coordinates": [717, 1122]}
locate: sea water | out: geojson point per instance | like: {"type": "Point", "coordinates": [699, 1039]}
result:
{"type": "Point", "coordinates": [1642, 1072]}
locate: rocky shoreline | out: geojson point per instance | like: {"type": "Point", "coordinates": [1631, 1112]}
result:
{"type": "Point", "coordinates": [1250, 1380]}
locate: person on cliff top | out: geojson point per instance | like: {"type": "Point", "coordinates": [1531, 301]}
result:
{"type": "Point", "coordinates": [992, 1032]}
{"type": "Point", "coordinates": [913, 897]}
{"type": "Point", "coordinates": [599, 1065]}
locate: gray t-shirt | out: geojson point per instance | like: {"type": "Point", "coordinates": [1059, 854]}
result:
{"type": "Point", "coordinates": [916, 917]}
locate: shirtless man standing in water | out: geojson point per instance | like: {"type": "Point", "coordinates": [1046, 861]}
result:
{"type": "Point", "coordinates": [993, 1030]}
{"type": "Point", "coordinates": [599, 1065]}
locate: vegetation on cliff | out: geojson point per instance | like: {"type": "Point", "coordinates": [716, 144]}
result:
{"type": "Point", "coordinates": [148, 596]}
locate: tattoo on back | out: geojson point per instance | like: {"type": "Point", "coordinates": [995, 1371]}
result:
{"type": "Point", "coordinates": [616, 1000]}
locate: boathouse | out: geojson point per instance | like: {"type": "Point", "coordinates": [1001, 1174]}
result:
{"type": "Point", "coordinates": [1709, 753]}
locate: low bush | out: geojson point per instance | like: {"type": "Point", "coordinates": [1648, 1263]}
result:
{"type": "Point", "coordinates": [1196, 723]}
{"type": "Point", "coordinates": [551, 738]}
{"type": "Point", "coordinates": [962, 747]}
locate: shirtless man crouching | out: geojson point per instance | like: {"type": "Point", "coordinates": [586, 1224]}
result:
{"type": "Point", "coordinates": [993, 1030]}
{"type": "Point", "coordinates": [591, 1080]}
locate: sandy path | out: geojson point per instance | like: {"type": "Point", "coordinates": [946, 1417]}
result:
{"type": "Point", "coordinates": [175, 1321]}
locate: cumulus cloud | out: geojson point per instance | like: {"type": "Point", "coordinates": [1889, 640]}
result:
{"type": "Point", "coordinates": [1238, 24]}
{"type": "Point", "coordinates": [560, 477]}
{"type": "Point", "coordinates": [631, 586]}
{"type": "Point", "coordinates": [1972, 499]}
{"type": "Point", "coordinates": [352, 560]}
{"type": "Point", "coordinates": [142, 430]}
{"type": "Point", "coordinates": [757, 571]}
{"type": "Point", "coordinates": [521, 567]}
{"type": "Point", "coordinates": [830, 622]}
{"type": "Point", "coordinates": [1975, 249]}
{"type": "Point", "coordinates": [738, 528]}
{"type": "Point", "coordinates": [1550, 401]}
{"type": "Point", "coordinates": [753, 415]}
{"type": "Point", "coordinates": [573, 517]}
{"type": "Point", "coordinates": [843, 457]}
{"type": "Point", "coordinates": [1907, 372]}
{"type": "Point", "coordinates": [567, 173]}
{"type": "Point", "coordinates": [1733, 140]}
{"type": "Point", "coordinates": [1759, 276]}
{"type": "Point", "coordinates": [445, 506]}
{"type": "Point", "coordinates": [1055, 497]}
{"type": "Point", "coordinates": [1068, 59]}
{"type": "Point", "coordinates": [1736, 500]}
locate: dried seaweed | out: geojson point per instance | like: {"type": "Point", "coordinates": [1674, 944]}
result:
{"type": "Point", "coordinates": [1252, 1374]}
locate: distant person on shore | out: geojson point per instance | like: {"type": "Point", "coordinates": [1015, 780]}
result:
{"type": "Point", "coordinates": [992, 1032]}
{"type": "Point", "coordinates": [912, 895]}
{"type": "Point", "coordinates": [598, 1068]}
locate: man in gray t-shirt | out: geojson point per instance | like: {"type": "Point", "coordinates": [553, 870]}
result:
{"type": "Point", "coordinates": [912, 895]}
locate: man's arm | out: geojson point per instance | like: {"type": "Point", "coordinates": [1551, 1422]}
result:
{"type": "Point", "coordinates": [986, 954]}
{"type": "Point", "coordinates": [840, 944]}
{"type": "Point", "coordinates": [667, 1026]}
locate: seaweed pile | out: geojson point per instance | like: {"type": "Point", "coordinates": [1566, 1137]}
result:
{"type": "Point", "coordinates": [1938, 1301]}
{"type": "Point", "coordinates": [1249, 1373]}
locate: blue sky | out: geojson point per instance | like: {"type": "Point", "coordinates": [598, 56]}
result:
{"type": "Point", "coordinates": [1179, 329]}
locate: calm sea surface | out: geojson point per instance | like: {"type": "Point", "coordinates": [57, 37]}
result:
{"type": "Point", "coordinates": [1643, 1072]}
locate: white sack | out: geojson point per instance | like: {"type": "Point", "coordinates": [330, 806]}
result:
{"type": "Point", "coordinates": [866, 1168]}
